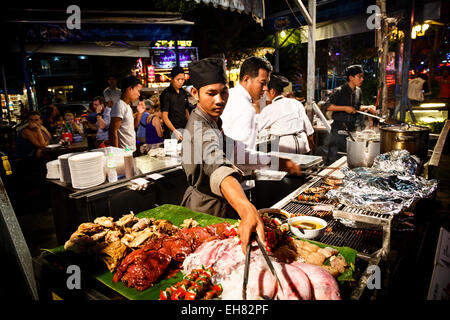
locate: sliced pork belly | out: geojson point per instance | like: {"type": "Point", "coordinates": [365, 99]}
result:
{"type": "Point", "coordinates": [295, 282]}
{"type": "Point", "coordinates": [323, 284]}
{"type": "Point", "coordinates": [207, 254]}
{"type": "Point", "coordinates": [260, 284]}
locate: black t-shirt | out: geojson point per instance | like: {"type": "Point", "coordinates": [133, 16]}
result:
{"type": "Point", "coordinates": [344, 96]}
{"type": "Point", "coordinates": [175, 104]}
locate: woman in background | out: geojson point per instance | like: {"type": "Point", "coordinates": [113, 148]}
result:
{"type": "Point", "coordinates": [154, 130]}
{"type": "Point", "coordinates": [33, 138]}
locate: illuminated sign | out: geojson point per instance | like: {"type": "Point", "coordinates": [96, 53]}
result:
{"type": "Point", "coordinates": [167, 58]}
{"type": "Point", "coordinates": [151, 73]}
{"type": "Point", "coordinates": [171, 43]}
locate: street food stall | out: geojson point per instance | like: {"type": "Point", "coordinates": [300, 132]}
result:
{"type": "Point", "coordinates": [351, 214]}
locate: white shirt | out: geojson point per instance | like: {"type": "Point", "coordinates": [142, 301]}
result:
{"type": "Point", "coordinates": [239, 123]}
{"type": "Point", "coordinates": [415, 89]}
{"type": "Point", "coordinates": [285, 116]}
{"type": "Point", "coordinates": [239, 117]}
{"type": "Point", "coordinates": [112, 95]}
{"type": "Point", "coordinates": [126, 133]}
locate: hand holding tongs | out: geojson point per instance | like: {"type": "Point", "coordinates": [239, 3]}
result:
{"type": "Point", "coordinates": [247, 264]}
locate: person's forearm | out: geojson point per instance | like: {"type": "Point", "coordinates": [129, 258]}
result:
{"type": "Point", "coordinates": [101, 123]}
{"type": "Point", "coordinates": [168, 123]}
{"type": "Point", "coordinates": [233, 193]}
{"type": "Point", "coordinates": [157, 124]}
{"type": "Point", "coordinates": [334, 107]}
{"type": "Point", "coordinates": [250, 219]}
{"type": "Point", "coordinates": [42, 142]}
{"type": "Point", "coordinates": [113, 138]}
{"type": "Point", "coordinates": [137, 119]}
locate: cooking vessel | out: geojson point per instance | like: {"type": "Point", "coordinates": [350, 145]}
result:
{"type": "Point", "coordinates": [361, 153]}
{"type": "Point", "coordinates": [413, 138]}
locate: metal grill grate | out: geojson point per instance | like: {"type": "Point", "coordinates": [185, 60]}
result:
{"type": "Point", "coordinates": [357, 211]}
{"type": "Point", "coordinates": [316, 184]}
{"type": "Point", "coordinates": [366, 241]}
{"type": "Point", "coordinates": [299, 207]}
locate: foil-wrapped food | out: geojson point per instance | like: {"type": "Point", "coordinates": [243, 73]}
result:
{"type": "Point", "coordinates": [389, 186]}
{"type": "Point", "coordinates": [397, 161]}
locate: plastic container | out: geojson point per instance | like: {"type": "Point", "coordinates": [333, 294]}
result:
{"type": "Point", "coordinates": [111, 168]}
{"type": "Point", "coordinates": [118, 157]}
{"type": "Point", "coordinates": [129, 163]}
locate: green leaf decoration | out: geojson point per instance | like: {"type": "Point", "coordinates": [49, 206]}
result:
{"type": "Point", "coordinates": [176, 215]}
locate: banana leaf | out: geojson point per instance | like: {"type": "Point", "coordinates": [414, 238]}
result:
{"type": "Point", "coordinates": [349, 255]}
{"type": "Point", "coordinates": [176, 215]}
{"type": "Point", "coordinates": [98, 270]}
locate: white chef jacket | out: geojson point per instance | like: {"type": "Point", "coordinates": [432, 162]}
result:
{"type": "Point", "coordinates": [287, 116]}
{"type": "Point", "coordinates": [239, 117]}
{"type": "Point", "coordinates": [415, 89]}
{"type": "Point", "coordinates": [239, 123]}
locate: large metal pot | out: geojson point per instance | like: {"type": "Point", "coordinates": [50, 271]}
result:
{"type": "Point", "coordinates": [361, 153]}
{"type": "Point", "coordinates": [405, 137]}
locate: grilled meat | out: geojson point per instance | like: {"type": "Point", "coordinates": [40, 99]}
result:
{"type": "Point", "coordinates": [143, 267]}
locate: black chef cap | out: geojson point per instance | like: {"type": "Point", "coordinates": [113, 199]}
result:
{"type": "Point", "coordinates": [176, 71]}
{"type": "Point", "coordinates": [354, 70]}
{"type": "Point", "coordinates": [277, 82]}
{"type": "Point", "coordinates": [207, 71]}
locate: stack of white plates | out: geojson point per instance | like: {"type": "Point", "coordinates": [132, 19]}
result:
{"type": "Point", "coordinates": [53, 169]}
{"type": "Point", "coordinates": [86, 169]}
{"type": "Point", "coordinates": [64, 169]}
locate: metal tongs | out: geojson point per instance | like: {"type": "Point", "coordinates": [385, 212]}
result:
{"type": "Point", "coordinates": [247, 265]}
{"type": "Point", "coordinates": [313, 170]}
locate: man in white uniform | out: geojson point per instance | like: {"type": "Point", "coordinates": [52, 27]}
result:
{"type": "Point", "coordinates": [239, 116]}
{"type": "Point", "coordinates": [112, 94]}
{"type": "Point", "coordinates": [286, 118]}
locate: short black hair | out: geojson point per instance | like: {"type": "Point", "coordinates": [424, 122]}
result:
{"type": "Point", "coordinates": [99, 98]}
{"type": "Point", "coordinates": [176, 71]}
{"type": "Point", "coordinates": [252, 65]}
{"type": "Point", "coordinates": [129, 82]}
{"type": "Point", "coordinates": [33, 113]}
{"type": "Point", "coordinates": [353, 70]}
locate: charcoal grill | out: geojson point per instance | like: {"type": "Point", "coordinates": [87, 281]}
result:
{"type": "Point", "coordinates": [367, 232]}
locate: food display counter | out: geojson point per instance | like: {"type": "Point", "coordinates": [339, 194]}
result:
{"type": "Point", "coordinates": [359, 238]}
{"type": "Point", "coordinates": [166, 185]}
{"type": "Point", "coordinates": [71, 206]}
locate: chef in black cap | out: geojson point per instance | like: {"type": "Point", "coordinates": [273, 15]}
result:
{"type": "Point", "coordinates": [344, 102]}
{"type": "Point", "coordinates": [286, 118]}
{"type": "Point", "coordinates": [214, 181]}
